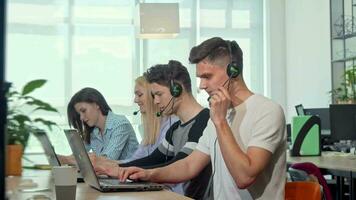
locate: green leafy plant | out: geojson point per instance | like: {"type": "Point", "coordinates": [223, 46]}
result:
{"type": "Point", "coordinates": [20, 124]}
{"type": "Point", "coordinates": [346, 93]}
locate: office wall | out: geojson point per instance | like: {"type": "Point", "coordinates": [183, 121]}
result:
{"type": "Point", "coordinates": [308, 68]}
{"type": "Point", "coordinates": [307, 55]}
{"type": "Point", "coordinates": [275, 51]}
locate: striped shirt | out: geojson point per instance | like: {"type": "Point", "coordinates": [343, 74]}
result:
{"type": "Point", "coordinates": [180, 141]}
{"type": "Point", "coordinates": [118, 141]}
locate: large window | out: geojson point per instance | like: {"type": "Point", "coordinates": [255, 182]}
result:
{"type": "Point", "coordinates": [91, 43]}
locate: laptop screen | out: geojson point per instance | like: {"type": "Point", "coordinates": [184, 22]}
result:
{"type": "Point", "coordinates": [87, 170]}
{"type": "Point", "coordinates": [47, 147]}
{"type": "Point", "coordinates": [82, 158]}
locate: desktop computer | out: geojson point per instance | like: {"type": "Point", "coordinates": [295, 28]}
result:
{"type": "Point", "coordinates": [343, 122]}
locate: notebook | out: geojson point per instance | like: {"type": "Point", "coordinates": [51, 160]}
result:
{"type": "Point", "coordinates": [102, 184]}
{"type": "Point", "coordinates": [49, 151]}
{"type": "Point", "coordinates": [47, 147]}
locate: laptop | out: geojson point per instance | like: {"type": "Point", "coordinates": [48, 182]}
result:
{"type": "Point", "coordinates": [102, 184]}
{"type": "Point", "coordinates": [49, 150]}
{"type": "Point", "coordinates": [47, 147]}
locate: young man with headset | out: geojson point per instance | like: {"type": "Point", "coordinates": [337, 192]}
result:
{"type": "Point", "coordinates": [171, 89]}
{"type": "Point", "coordinates": [247, 146]}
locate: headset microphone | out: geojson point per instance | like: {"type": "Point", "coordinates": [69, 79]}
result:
{"type": "Point", "coordinates": [158, 114]}
{"type": "Point", "coordinates": [136, 112]}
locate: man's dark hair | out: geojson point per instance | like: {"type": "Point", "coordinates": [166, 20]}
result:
{"type": "Point", "coordinates": [215, 49]}
{"type": "Point", "coordinates": [162, 74]}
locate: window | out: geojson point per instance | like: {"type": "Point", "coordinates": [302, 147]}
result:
{"type": "Point", "coordinates": [92, 43]}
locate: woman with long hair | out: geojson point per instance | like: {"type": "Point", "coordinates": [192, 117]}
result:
{"type": "Point", "coordinates": [154, 128]}
{"type": "Point", "coordinates": [105, 133]}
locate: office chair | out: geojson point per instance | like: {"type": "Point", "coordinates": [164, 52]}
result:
{"type": "Point", "coordinates": [301, 190]}
{"type": "Point", "coordinates": [311, 169]}
{"type": "Point", "coordinates": [298, 175]}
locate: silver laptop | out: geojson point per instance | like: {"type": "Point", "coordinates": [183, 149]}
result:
{"type": "Point", "coordinates": [47, 147]}
{"type": "Point", "coordinates": [101, 184]}
{"type": "Point", "coordinates": [49, 151]}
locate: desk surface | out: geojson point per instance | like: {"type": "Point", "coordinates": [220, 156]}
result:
{"type": "Point", "coordinates": [84, 192]}
{"type": "Point", "coordinates": [328, 160]}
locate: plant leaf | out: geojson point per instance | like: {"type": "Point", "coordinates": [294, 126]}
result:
{"type": "Point", "coordinates": [32, 85]}
{"type": "Point", "coordinates": [20, 125]}
{"type": "Point", "coordinates": [21, 119]}
{"type": "Point", "coordinates": [41, 105]}
{"type": "Point", "coordinates": [49, 124]}
{"type": "Point", "coordinates": [47, 108]}
{"type": "Point", "coordinates": [12, 93]}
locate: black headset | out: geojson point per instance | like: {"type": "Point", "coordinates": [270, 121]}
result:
{"type": "Point", "coordinates": [175, 88]}
{"type": "Point", "coordinates": [233, 69]}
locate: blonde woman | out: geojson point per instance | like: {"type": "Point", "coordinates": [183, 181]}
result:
{"type": "Point", "coordinates": [154, 128]}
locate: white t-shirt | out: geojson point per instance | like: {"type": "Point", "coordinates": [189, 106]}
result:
{"type": "Point", "coordinates": [257, 122]}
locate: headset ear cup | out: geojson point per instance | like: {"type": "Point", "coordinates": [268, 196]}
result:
{"type": "Point", "coordinates": [233, 70]}
{"type": "Point", "coordinates": [176, 89]}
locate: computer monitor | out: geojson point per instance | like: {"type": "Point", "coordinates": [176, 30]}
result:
{"type": "Point", "coordinates": [300, 110]}
{"type": "Point", "coordinates": [343, 121]}
{"type": "Point", "coordinates": [324, 115]}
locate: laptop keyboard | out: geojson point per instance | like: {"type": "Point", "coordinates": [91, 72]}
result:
{"type": "Point", "coordinates": [108, 182]}
{"type": "Point", "coordinates": [129, 185]}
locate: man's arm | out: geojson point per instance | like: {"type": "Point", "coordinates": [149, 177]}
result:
{"type": "Point", "coordinates": [182, 170]}
{"type": "Point", "coordinates": [195, 132]}
{"type": "Point", "coordinates": [155, 158]}
{"type": "Point", "coordinates": [244, 167]}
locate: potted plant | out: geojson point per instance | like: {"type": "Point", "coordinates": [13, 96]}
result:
{"type": "Point", "coordinates": [20, 124]}
{"type": "Point", "coordinates": [346, 93]}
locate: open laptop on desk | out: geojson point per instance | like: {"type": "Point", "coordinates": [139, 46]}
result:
{"type": "Point", "coordinates": [47, 147]}
{"type": "Point", "coordinates": [103, 185]}
{"type": "Point", "coordinates": [49, 151]}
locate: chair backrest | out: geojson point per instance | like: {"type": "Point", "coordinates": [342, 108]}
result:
{"type": "Point", "coordinates": [312, 169]}
{"type": "Point", "coordinates": [298, 175]}
{"type": "Point", "coordinates": [302, 190]}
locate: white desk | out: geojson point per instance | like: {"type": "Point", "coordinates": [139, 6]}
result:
{"type": "Point", "coordinates": [335, 163]}
{"type": "Point", "coordinates": [328, 160]}
{"type": "Point", "coordinates": [84, 192]}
